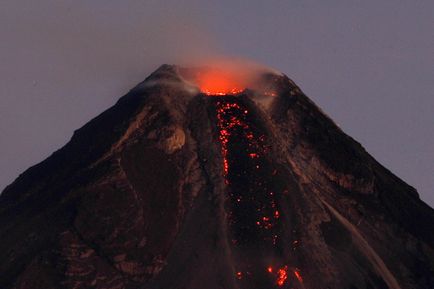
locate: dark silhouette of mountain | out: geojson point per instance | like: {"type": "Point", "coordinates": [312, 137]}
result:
{"type": "Point", "coordinates": [174, 188]}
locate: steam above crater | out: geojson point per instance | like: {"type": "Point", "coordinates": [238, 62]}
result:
{"type": "Point", "coordinates": [228, 77]}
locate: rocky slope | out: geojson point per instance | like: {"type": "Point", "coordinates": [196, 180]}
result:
{"type": "Point", "coordinates": [174, 188]}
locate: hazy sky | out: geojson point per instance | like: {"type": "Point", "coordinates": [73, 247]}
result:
{"type": "Point", "coordinates": [369, 64]}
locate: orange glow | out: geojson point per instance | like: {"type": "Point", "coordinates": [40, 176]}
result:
{"type": "Point", "coordinates": [218, 82]}
{"type": "Point", "coordinates": [253, 155]}
{"type": "Point", "coordinates": [276, 214]}
{"type": "Point", "coordinates": [225, 129]}
{"type": "Point", "coordinates": [298, 275]}
{"type": "Point", "coordinates": [266, 223]}
{"type": "Point", "coordinates": [282, 275]}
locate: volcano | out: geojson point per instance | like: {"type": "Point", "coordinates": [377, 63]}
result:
{"type": "Point", "coordinates": [198, 180]}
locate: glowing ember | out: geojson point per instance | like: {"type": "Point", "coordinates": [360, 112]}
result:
{"type": "Point", "coordinates": [217, 82]}
{"type": "Point", "coordinates": [276, 214]}
{"type": "Point", "coordinates": [298, 275]}
{"type": "Point", "coordinates": [253, 155]}
{"type": "Point", "coordinates": [282, 275]}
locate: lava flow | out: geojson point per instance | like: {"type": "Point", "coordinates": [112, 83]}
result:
{"type": "Point", "coordinates": [243, 150]}
{"type": "Point", "coordinates": [252, 192]}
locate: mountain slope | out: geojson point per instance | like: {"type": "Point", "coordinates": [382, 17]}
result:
{"type": "Point", "coordinates": [174, 188]}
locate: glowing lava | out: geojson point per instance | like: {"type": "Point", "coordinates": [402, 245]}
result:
{"type": "Point", "coordinates": [298, 275]}
{"type": "Point", "coordinates": [227, 127]}
{"type": "Point", "coordinates": [254, 215]}
{"type": "Point", "coordinates": [217, 82]}
{"type": "Point", "coordinates": [245, 149]}
{"type": "Point", "coordinates": [281, 275]}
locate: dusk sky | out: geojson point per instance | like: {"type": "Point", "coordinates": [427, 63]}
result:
{"type": "Point", "coordinates": [368, 64]}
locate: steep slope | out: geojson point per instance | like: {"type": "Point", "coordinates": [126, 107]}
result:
{"type": "Point", "coordinates": [175, 188]}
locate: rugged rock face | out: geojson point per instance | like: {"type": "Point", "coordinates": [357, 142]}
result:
{"type": "Point", "coordinates": [174, 188]}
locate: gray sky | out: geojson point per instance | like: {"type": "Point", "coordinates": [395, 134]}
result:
{"type": "Point", "coordinates": [369, 64]}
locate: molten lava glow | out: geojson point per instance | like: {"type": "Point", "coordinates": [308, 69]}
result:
{"type": "Point", "coordinates": [298, 275]}
{"type": "Point", "coordinates": [218, 82]}
{"type": "Point", "coordinates": [281, 275]}
{"type": "Point", "coordinates": [253, 208]}
{"type": "Point", "coordinates": [226, 128]}
{"type": "Point", "coordinates": [231, 117]}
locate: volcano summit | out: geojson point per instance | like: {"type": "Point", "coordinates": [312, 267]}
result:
{"type": "Point", "coordinates": [197, 179]}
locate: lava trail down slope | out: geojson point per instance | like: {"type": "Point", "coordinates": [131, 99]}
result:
{"type": "Point", "coordinates": [253, 189]}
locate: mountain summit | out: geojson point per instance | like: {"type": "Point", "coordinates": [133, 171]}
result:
{"type": "Point", "coordinates": [201, 178]}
